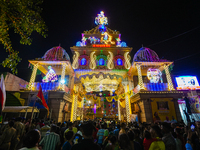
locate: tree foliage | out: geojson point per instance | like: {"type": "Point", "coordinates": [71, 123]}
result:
{"type": "Point", "coordinates": [24, 17]}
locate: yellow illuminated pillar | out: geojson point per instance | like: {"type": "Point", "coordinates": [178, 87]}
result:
{"type": "Point", "coordinates": [119, 112]}
{"type": "Point", "coordinates": [140, 81]}
{"type": "Point", "coordinates": [32, 80]}
{"type": "Point", "coordinates": [74, 104]}
{"type": "Point", "coordinates": [169, 80]}
{"type": "Point", "coordinates": [82, 102]}
{"type": "Point", "coordinates": [62, 83]}
{"type": "Point", "coordinates": [128, 110]}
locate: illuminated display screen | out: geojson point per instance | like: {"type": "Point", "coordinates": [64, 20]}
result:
{"type": "Point", "coordinates": [187, 83]}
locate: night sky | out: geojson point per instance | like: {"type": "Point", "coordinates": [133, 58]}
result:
{"type": "Point", "coordinates": [170, 28]}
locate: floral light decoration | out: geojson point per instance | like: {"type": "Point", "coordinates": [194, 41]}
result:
{"type": "Point", "coordinates": [50, 76]}
{"type": "Point", "coordinates": [106, 38]}
{"type": "Point", "coordinates": [154, 75]}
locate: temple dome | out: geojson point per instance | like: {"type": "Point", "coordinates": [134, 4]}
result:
{"type": "Point", "coordinates": [146, 54]}
{"type": "Point", "coordinates": [56, 54]}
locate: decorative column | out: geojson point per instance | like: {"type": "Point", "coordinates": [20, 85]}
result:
{"type": "Point", "coordinates": [169, 80]}
{"type": "Point", "coordinates": [62, 83]}
{"type": "Point", "coordinates": [82, 102]}
{"type": "Point", "coordinates": [75, 63]}
{"type": "Point", "coordinates": [140, 81]}
{"type": "Point", "coordinates": [127, 102]}
{"type": "Point", "coordinates": [32, 80]}
{"type": "Point", "coordinates": [74, 104]}
{"type": "Point", "coordinates": [119, 111]}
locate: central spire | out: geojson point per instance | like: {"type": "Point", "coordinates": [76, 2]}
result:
{"type": "Point", "coordinates": [101, 19]}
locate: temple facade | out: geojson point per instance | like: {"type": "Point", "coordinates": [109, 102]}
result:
{"type": "Point", "coordinates": [101, 82]}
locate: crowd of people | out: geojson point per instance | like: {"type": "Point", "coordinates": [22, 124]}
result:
{"type": "Point", "coordinates": [20, 134]}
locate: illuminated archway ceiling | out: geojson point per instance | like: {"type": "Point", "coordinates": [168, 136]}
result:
{"type": "Point", "coordinates": [100, 83]}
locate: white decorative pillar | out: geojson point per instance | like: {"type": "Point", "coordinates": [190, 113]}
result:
{"type": "Point", "coordinates": [62, 83]}
{"type": "Point", "coordinates": [140, 81]}
{"type": "Point", "coordinates": [169, 80]}
{"type": "Point", "coordinates": [32, 80]}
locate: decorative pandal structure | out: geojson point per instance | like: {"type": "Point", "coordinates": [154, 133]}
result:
{"type": "Point", "coordinates": [102, 81]}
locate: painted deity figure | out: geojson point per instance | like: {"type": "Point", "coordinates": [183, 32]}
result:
{"type": "Point", "coordinates": [154, 75]}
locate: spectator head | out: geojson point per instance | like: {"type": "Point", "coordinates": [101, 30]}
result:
{"type": "Point", "coordinates": [131, 135]}
{"type": "Point", "coordinates": [112, 139]}
{"type": "Point", "coordinates": [166, 127]}
{"type": "Point", "coordinates": [123, 126]}
{"type": "Point", "coordinates": [18, 119]}
{"type": "Point", "coordinates": [136, 132]}
{"type": "Point", "coordinates": [31, 138]}
{"type": "Point", "coordinates": [198, 124]}
{"type": "Point", "coordinates": [87, 130]}
{"type": "Point", "coordinates": [155, 132]}
{"type": "Point", "coordinates": [124, 142]}
{"type": "Point", "coordinates": [11, 123]}
{"type": "Point", "coordinates": [46, 123]}
{"type": "Point", "coordinates": [147, 134]}
{"type": "Point", "coordinates": [118, 126]}
{"type": "Point", "coordinates": [173, 125]}
{"type": "Point", "coordinates": [53, 128]}
{"type": "Point", "coordinates": [69, 135]}
{"type": "Point", "coordinates": [167, 118]}
{"type": "Point", "coordinates": [70, 125]}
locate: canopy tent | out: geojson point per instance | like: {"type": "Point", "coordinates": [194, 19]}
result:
{"type": "Point", "coordinates": [20, 109]}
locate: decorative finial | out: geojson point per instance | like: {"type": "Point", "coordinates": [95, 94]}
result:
{"type": "Point", "coordinates": [101, 19]}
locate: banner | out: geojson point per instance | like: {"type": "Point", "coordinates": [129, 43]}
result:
{"type": "Point", "coordinates": [162, 108]}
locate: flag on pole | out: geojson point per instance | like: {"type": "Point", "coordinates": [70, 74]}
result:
{"type": "Point", "coordinates": [2, 94]}
{"type": "Point", "coordinates": [41, 97]}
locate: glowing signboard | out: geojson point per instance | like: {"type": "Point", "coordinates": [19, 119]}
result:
{"type": "Point", "coordinates": [187, 83]}
{"type": "Point", "coordinates": [154, 75]}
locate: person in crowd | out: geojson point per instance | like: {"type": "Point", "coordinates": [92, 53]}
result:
{"type": "Point", "coordinates": [123, 129]}
{"type": "Point", "coordinates": [134, 144]}
{"type": "Point", "coordinates": [8, 136]}
{"type": "Point", "coordinates": [167, 138]}
{"type": "Point", "coordinates": [18, 125]}
{"type": "Point", "coordinates": [147, 140]}
{"type": "Point", "coordinates": [69, 138]}
{"type": "Point", "coordinates": [62, 130]}
{"type": "Point", "coordinates": [180, 137]}
{"type": "Point", "coordinates": [173, 120]}
{"type": "Point", "coordinates": [116, 131]}
{"type": "Point", "coordinates": [137, 137]}
{"type": "Point", "coordinates": [71, 128]}
{"type": "Point", "coordinates": [52, 140]}
{"type": "Point", "coordinates": [192, 141]}
{"type": "Point", "coordinates": [87, 143]}
{"type": "Point", "coordinates": [178, 141]}
{"type": "Point", "coordinates": [158, 144]}
{"type": "Point", "coordinates": [112, 143]}
{"type": "Point", "coordinates": [95, 132]}
{"type": "Point", "coordinates": [156, 118]}
{"type": "Point", "coordinates": [124, 142]}
{"type": "Point", "coordinates": [45, 129]}
{"type": "Point", "coordinates": [167, 120]}
{"type": "Point", "coordinates": [31, 140]}
{"type": "Point", "coordinates": [100, 135]}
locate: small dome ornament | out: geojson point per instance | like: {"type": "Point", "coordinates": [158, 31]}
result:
{"type": "Point", "coordinates": [146, 55]}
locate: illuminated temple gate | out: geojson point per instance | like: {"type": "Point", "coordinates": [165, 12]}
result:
{"type": "Point", "coordinates": [101, 62]}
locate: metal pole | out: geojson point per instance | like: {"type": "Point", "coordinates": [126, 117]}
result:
{"type": "Point", "coordinates": [25, 114]}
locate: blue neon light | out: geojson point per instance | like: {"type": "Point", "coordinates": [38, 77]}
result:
{"type": "Point", "coordinates": [123, 44]}
{"type": "Point", "coordinates": [119, 62]}
{"type": "Point", "coordinates": [101, 61]}
{"type": "Point", "coordinates": [156, 86]}
{"type": "Point", "coordinates": [83, 61]}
